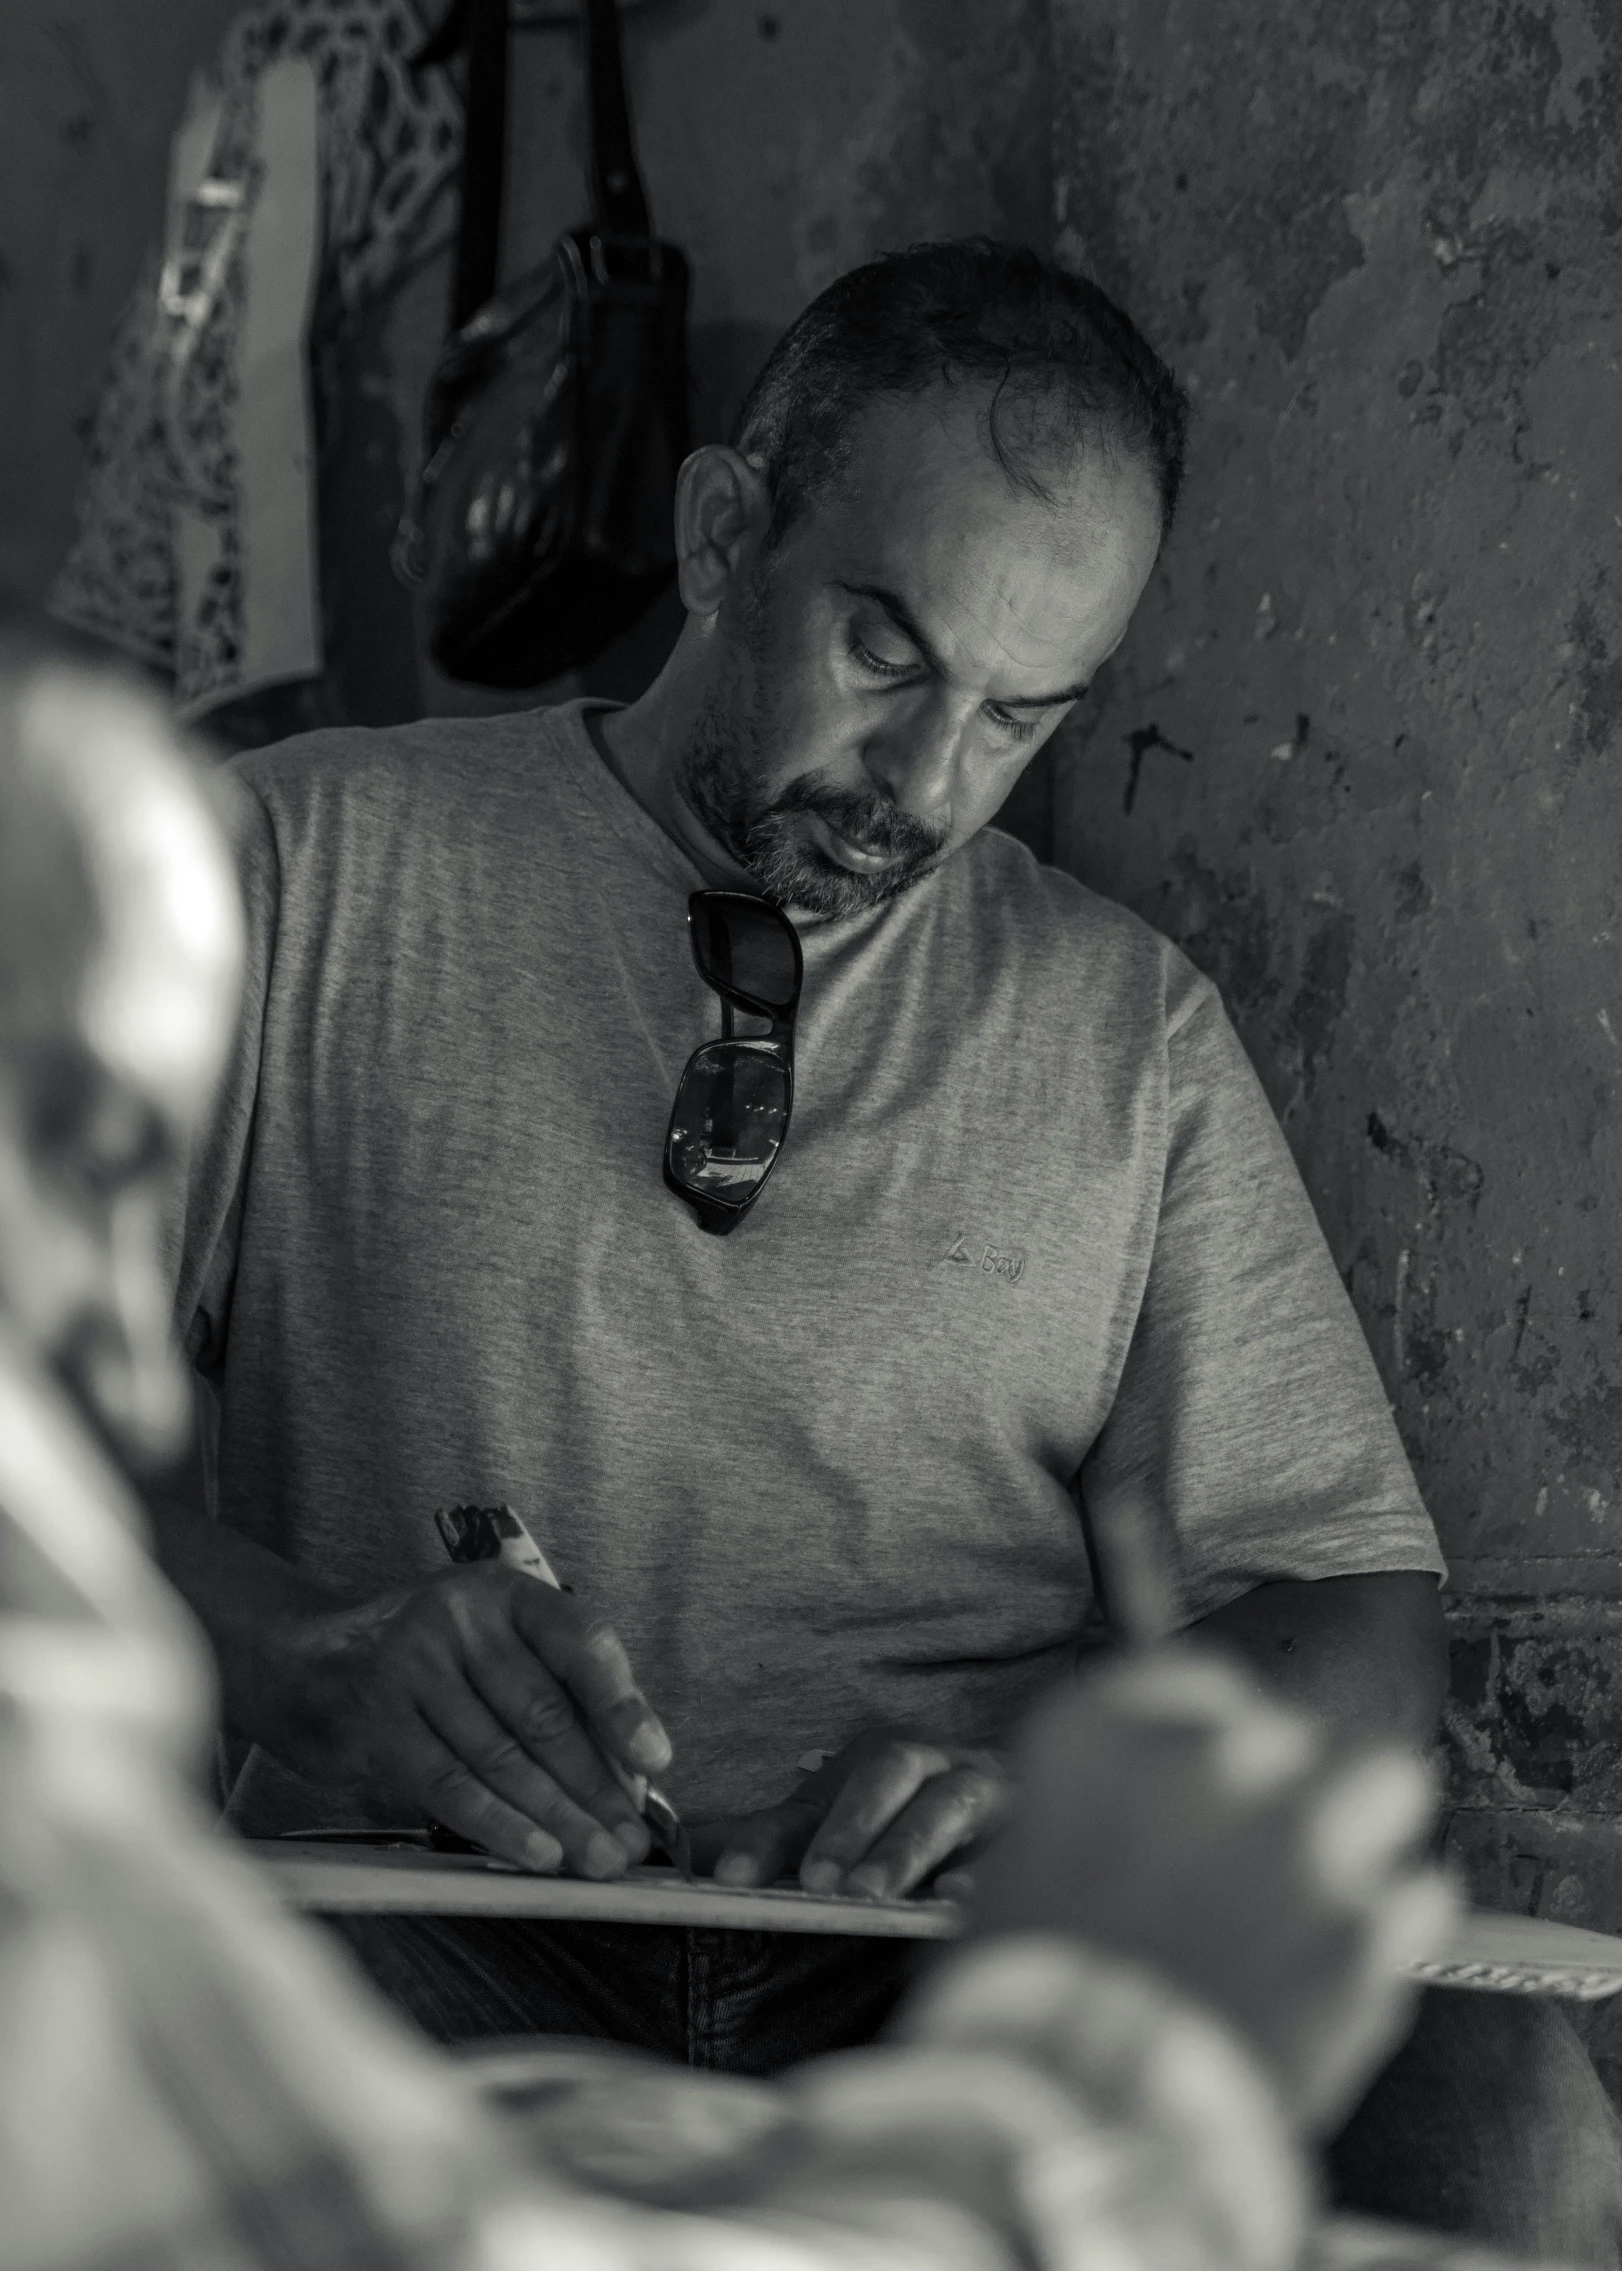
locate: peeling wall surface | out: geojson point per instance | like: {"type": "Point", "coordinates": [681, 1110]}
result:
{"type": "Point", "coordinates": [1360, 752]}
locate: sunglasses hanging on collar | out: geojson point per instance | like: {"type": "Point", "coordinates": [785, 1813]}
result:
{"type": "Point", "coordinates": [734, 1099]}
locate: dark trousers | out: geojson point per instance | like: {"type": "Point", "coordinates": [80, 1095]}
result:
{"type": "Point", "coordinates": [1489, 2123]}
{"type": "Point", "coordinates": [730, 2002]}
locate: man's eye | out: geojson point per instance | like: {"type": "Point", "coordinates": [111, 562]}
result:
{"type": "Point", "coordinates": [877, 664]}
{"type": "Point", "coordinates": [1017, 729]}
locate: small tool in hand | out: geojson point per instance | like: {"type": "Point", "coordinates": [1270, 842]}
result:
{"type": "Point", "coordinates": [496, 1533]}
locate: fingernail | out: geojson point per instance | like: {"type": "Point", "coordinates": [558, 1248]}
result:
{"type": "Point", "coordinates": [821, 1876]}
{"type": "Point", "coordinates": [635, 1839]}
{"type": "Point", "coordinates": [868, 1883]}
{"type": "Point", "coordinates": [605, 1856]}
{"type": "Point", "coordinates": [650, 1747]}
{"type": "Point", "coordinates": [737, 1869]}
{"type": "Point", "coordinates": [542, 1853]}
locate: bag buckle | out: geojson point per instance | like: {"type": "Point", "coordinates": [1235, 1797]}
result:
{"type": "Point", "coordinates": [647, 254]}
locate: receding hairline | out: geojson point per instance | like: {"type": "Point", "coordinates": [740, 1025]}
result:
{"type": "Point", "coordinates": [1040, 339]}
{"type": "Point", "coordinates": [1065, 444]}
{"type": "Point", "coordinates": [1047, 470]}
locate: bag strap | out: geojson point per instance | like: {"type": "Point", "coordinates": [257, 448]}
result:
{"type": "Point", "coordinates": [483, 28]}
{"type": "Point", "coordinates": [480, 28]}
{"type": "Point", "coordinates": [617, 194]}
{"type": "Point", "coordinates": [484, 154]}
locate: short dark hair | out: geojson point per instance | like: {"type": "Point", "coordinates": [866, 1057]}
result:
{"type": "Point", "coordinates": [1053, 345]}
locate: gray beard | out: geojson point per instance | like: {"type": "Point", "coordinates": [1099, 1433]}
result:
{"type": "Point", "coordinates": [721, 765]}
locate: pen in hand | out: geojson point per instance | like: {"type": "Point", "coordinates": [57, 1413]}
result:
{"type": "Point", "coordinates": [496, 1533]}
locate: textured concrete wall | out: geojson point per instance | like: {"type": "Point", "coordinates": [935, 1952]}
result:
{"type": "Point", "coordinates": [1361, 751]}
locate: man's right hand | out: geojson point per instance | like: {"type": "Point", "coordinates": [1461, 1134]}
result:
{"type": "Point", "coordinates": [490, 1703]}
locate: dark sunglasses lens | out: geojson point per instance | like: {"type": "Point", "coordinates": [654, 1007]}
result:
{"type": "Point", "coordinates": [746, 947]}
{"type": "Point", "coordinates": [731, 1112]}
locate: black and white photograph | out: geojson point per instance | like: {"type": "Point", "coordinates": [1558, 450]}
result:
{"type": "Point", "coordinates": [810, 1135]}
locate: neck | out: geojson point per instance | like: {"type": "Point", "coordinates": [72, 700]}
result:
{"type": "Point", "coordinates": [643, 746]}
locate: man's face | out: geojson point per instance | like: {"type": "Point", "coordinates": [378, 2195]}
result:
{"type": "Point", "coordinates": [884, 675]}
{"type": "Point", "coordinates": [99, 1096]}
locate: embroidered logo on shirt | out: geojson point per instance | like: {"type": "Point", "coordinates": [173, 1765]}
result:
{"type": "Point", "coordinates": [1006, 1262]}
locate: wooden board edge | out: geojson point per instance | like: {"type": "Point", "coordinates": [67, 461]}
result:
{"type": "Point", "coordinates": [346, 1886]}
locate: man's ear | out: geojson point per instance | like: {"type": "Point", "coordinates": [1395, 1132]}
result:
{"type": "Point", "coordinates": [723, 510]}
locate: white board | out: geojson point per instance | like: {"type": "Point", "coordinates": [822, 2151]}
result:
{"type": "Point", "coordinates": [1528, 1955]}
{"type": "Point", "coordinates": [340, 1879]}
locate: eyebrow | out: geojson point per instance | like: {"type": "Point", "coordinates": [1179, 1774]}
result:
{"type": "Point", "coordinates": [905, 621]}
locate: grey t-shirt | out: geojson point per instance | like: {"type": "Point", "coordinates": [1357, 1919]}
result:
{"type": "Point", "coordinates": [1033, 1222]}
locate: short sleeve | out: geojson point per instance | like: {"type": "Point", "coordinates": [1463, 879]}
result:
{"type": "Point", "coordinates": [205, 1210]}
{"type": "Point", "coordinates": [1250, 1419]}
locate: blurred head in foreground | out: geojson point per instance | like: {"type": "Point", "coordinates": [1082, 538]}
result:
{"type": "Point", "coordinates": [120, 959]}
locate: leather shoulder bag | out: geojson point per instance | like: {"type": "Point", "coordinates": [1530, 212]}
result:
{"type": "Point", "coordinates": [540, 526]}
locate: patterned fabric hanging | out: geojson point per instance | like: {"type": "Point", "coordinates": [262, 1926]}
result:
{"type": "Point", "coordinates": [310, 168]}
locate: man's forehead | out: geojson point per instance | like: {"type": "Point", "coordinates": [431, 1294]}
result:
{"type": "Point", "coordinates": [152, 996]}
{"type": "Point", "coordinates": [1020, 583]}
{"type": "Point", "coordinates": [921, 451]}
{"type": "Point", "coordinates": [158, 1026]}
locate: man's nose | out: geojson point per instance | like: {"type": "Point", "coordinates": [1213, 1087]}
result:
{"type": "Point", "coordinates": [128, 1364]}
{"type": "Point", "coordinates": [914, 759]}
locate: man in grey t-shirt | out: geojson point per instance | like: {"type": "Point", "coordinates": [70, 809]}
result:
{"type": "Point", "coordinates": [1033, 1243]}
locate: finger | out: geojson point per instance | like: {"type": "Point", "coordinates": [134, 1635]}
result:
{"type": "Point", "coordinates": [960, 1881]}
{"type": "Point", "coordinates": [1266, 1751]}
{"type": "Point", "coordinates": [767, 1845]}
{"type": "Point", "coordinates": [494, 1758]}
{"type": "Point", "coordinates": [439, 1780]}
{"type": "Point", "coordinates": [1366, 1819]}
{"type": "Point", "coordinates": [1191, 1693]}
{"type": "Point", "coordinates": [949, 1812]}
{"type": "Point", "coordinates": [1415, 1923]}
{"type": "Point", "coordinates": [586, 1653]}
{"type": "Point", "coordinates": [867, 1803]}
{"type": "Point", "coordinates": [541, 1717]}
{"type": "Point", "coordinates": [1176, 1686]}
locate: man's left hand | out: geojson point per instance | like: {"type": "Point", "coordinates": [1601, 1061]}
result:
{"type": "Point", "coordinates": [877, 1819]}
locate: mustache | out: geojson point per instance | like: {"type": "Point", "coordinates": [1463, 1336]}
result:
{"type": "Point", "coordinates": [870, 823]}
